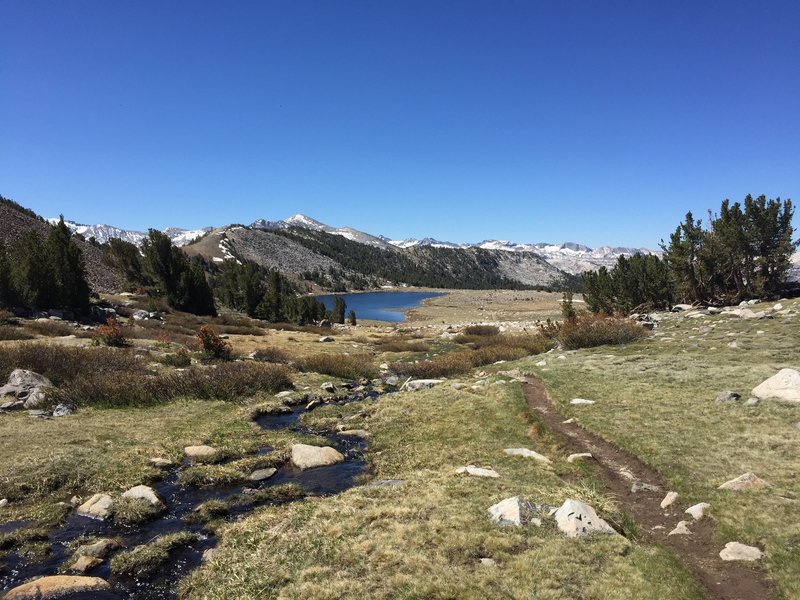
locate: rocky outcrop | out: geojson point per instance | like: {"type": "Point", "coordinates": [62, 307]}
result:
{"type": "Point", "coordinates": [26, 387]}
{"type": "Point", "coordinates": [514, 512]}
{"type": "Point", "coordinates": [743, 482]}
{"type": "Point", "coordinates": [739, 551]}
{"type": "Point", "coordinates": [99, 506]}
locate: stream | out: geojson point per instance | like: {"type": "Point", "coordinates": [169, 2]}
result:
{"type": "Point", "coordinates": [181, 502]}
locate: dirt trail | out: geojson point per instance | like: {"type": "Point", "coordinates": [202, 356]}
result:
{"type": "Point", "coordinates": [619, 469]}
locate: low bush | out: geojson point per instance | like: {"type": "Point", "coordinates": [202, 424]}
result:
{"type": "Point", "coordinates": [134, 511]}
{"type": "Point", "coordinates": [225, 381]}
{"type": "Point", "coordinates": [110, 334]}
{"type": "Point", "coordinates": [404, 346]}
{"type": "Point", "coordinates": [587, 331]}
{"type": "Point", "coordinates": [505, 347]}
{"type": "Point", "coordinates": [61, 364]}
{"type": "Point", "coordinates": [12, 332]}
{"type": "Point", "coordinates": [50, 328]}
{"type": "Point", "coordinates": [481, 330]}
{"type": "Point", "coordinates": [271, 354]}
{"type": "Point", "coordinates": [212, 345]}
{"type": "Point", "coordinates": [179, 359]}
{"type": "Point", "coordinates": [345, 366]}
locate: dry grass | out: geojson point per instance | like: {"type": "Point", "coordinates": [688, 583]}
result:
{"type": "Point", "coordinates": [14, 333]}
{"type": "Point", "coordinates": [148, 558]}
{"type": "Point", "coordinates": [52, 328]}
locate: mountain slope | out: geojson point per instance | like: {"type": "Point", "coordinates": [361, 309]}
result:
{"type": "Point", "coordinates": [15, 222]}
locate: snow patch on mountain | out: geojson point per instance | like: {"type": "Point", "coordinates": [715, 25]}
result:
{"type": "Point", "coordinates": [102, 233]}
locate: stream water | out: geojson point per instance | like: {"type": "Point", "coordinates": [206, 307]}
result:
{"type": "Point", "coordinates": [181, 502]}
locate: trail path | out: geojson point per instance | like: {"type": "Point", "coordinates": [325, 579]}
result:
{"type": "Point", "coordinates": [619, 470]}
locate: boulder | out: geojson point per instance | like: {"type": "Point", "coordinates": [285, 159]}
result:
{"type": "Point", "coordinates": [140, 315]}
{"type": "Point", "coordinates": [738, 551]}
{"type": "Point", "coordinates": [26, 386]}
{"type": "Point", "coordinates": [325, 339]}
{"type": "Point", "coordinates": [698, 510]}
{"type": "Point", "coordinates": [3, 502]}
{"type": "Point", "coordinates": [98, 506]}
{"type": "Point", "coordinates": [159, 462]}
{"type": "Point", "coordinates": [62, 410]}
{"type": "Point", "coordinates": [328, 387]}
{"type": "Point", "coordinates": [785, 385]}
{"type": "Point", "coordinates": [422, 384]}
{"type": "Point", "coordinates": [577, 519]}
{"type": "Point", "coordinates": [743, 482]}
{"type": "Point", "coordinates": [477, 471]}
{"type": "Point", "coordinates": [514, 512]}
{"type": "Point", "coordinates": [641, 486]}
{"type": "Point", "coordinates": [98, 549]}
{"type": "Point", "coordinates": [144, 492]}
{"type": "Point", "coordinates": [727, 396]}
{"type": "Point", "coordinates": [669, 499]}
{"type": "Point", "coordinates": [56, 586]}
{"type": "Point", "coordinates": [84, 563]}
{"type": "Point", "coordinates": [200, 451]}
{"type": "Point", "coordinates": [527, 454]}
{"type": "Point", "coordinates": [681, 529]}
{"type": "Point", "coordinates": [262, 474]}
{"type": "Point", "coordinates": [309, 457]}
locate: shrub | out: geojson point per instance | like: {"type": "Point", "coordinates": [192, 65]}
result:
{"type": "Point", "coordinates": [226, 381]}
{"type": "Point", "coordinates": [11, 332]}
{"type": "Point", "coordinates": [61, 364]}
{"type": "Point", "coordinates": [346, 366]}
{"type": "Point", "coordinates": [481, 330]}
{"type": "Point", "coordinates": [50, 328]}
{"type": "Point", "coordinates": [212, 345]}
{"type": "Point", "coordinates": [110, 334]}
{"type": "Point", "coordinates": [179, 359]}
{"type": "Point", "coordinates": [271, 354]}
{"type": "Point", "coordinates": [588, 331]}
{"type": "Point", "coordinates": [404, 346]}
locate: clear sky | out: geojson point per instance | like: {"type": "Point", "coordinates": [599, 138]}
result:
{"type": "Point", "coordinates": [599, 122]}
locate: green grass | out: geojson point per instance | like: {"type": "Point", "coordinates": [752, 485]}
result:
{"type": "Point", "coordinates": [423, 539]}
{"type": "Point", "coordinates": [656, 398]}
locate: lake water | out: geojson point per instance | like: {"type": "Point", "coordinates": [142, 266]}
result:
{"type": "Point", "coordinates": [380, 306]}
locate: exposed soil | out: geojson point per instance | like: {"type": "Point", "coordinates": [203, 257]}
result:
{"type": "Point", "coordinates": [619, 470]}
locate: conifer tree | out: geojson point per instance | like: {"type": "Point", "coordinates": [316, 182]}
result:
{"type": "Point", "coordinates": [71, 290]}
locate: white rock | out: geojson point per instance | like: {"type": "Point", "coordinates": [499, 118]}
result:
{"type": "Point", "coordinates": [561, 357]}
{"type": "Point", "coordinates": [579, 401]}
{"type": "Point", "coordinates": [681, 529]}
{"type": "Point", "coordinates": [262, 474]}
{"type": "Point", "coordinates": [3, 502]}
{"type": "Point", "coordinates": [777, 307]}
{"type": "Point", "coordinates": [98, 506]}
{"type": "Point", "coordinates": [785, 385]}
{"type": "Point", "coordinates": [200, 451]}
{"type": "Point", "coordinates": [669, 499]}
{"type": "Point", "coordinates": [738, 551]}
{"type": "Point", "coordinates": [541, 363]}
{"type": "Point", "coordinates": [568, 421]}
{"type": "Point", "coordinates": [422, 384]}
{"type": "Point", "coordinates": [576, 519]}
{"type": "Point", "coordinates": [144, 492]}
{"type": "Point", "coordinates": [698, 510]}
{"type": "Point", "coordinates": [487, 562]}
{"type": "Point", "coordinates": [512, 511]}
{"type": "Point", "coordinates": [477, 471]}
{"type": "Point", "coordinates": [573, 457]}
{"type": "Point", "coordinates": [309, 457]}
{"type": "Point", "coordinates": [527, 454]}
{"type": "Point", "coordinates": [743, 482]}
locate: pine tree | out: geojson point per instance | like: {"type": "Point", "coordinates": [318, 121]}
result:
{"type": "Point", "coordinates": [337, 313]}
{"type": "Point", "coordinates": [682, 256]}
{"type": "Point", "coordinates": [32, 273]}
{"type": "Point", "coordinates": [71, 287]}
{"type": "Point", "coordinates": [6, 290]}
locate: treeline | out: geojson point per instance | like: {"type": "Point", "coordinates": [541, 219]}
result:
{"type": "Point", "coordinates": [163, 270]}
{"type": "Point", "coordinates": [44, 271]}
{"type": "Point", "coordinates": [745, 252]}
{"type": "Point", "coordinates": [423, 267]}
{"type": "Point", "coordinates": [263, 293]}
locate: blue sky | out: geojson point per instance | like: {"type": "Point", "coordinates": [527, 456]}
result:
{"type": "Point", "coordinates": [596, 122]}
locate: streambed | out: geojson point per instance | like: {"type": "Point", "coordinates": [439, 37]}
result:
{"type": "Point", "coordinates": [181, 502]}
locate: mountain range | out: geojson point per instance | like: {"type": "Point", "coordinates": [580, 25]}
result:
{"type": "Point", "coordinates": [570, 257]}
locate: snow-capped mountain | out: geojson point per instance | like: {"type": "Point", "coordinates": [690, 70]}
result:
{"type": "Point", "coordinates": [299, 220]}
{"type": "Point", "coordinates": [570, 257]}
{"type": "Point", "coordinates": [103, 233]}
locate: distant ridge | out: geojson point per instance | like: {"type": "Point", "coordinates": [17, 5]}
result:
{"type": "Point", "coordinates": [571, 257]}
